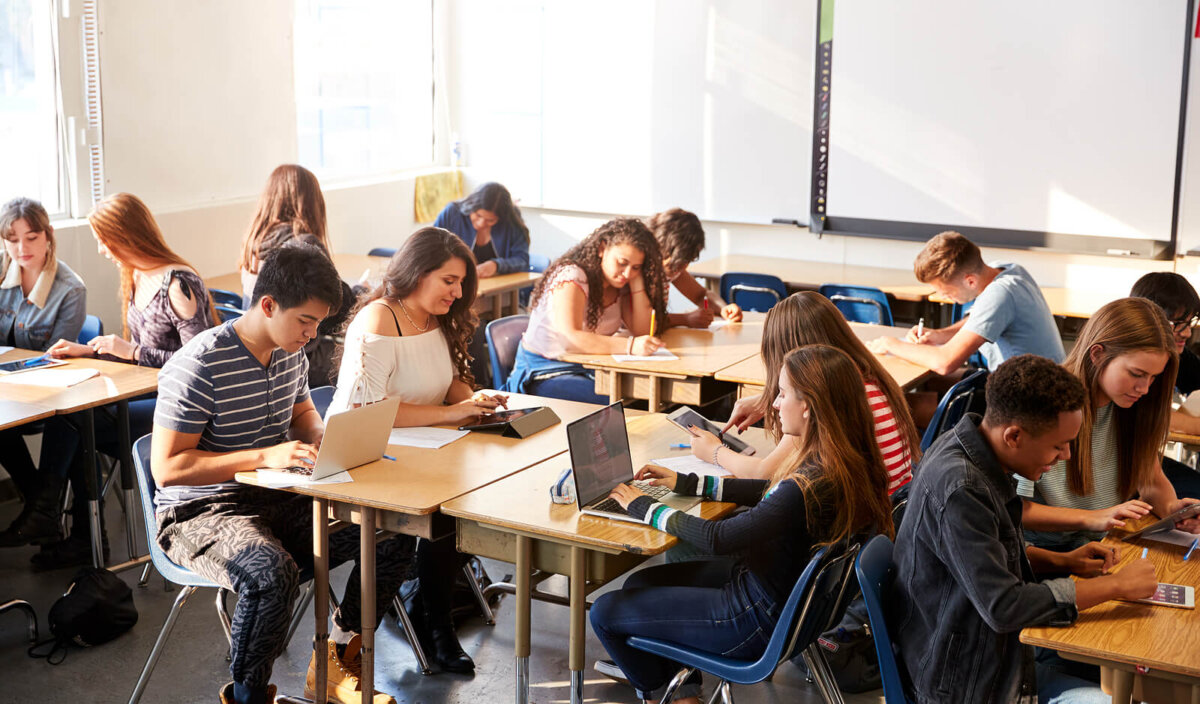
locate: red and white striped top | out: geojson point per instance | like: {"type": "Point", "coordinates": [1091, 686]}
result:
{"type": "Point", "coordinates": [897, 460]}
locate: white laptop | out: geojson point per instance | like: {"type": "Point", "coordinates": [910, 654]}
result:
{"type": "Point", "coordinates": [354, 437]}
{"type": "Point", "coordinates": [600, 460]}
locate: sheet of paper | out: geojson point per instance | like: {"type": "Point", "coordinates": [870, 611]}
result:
{"type": "Point", "coordinates": [661, 355]}
{"type": "Point", "coordinates": [57, 378]}
{"type": "Point", "coordinates": [691, 464]}
{"type": "Point", "coordinates": [1191, 404]}
{"type": "Point", "coordinates": [1174, 537]}
{"type": "Point", "coordinates": [5, 348]}
{"type": "Point", "coordinates": [281, 480]}
{"type": "Point", "coordinates": [718, 324]}
{"type": "Point", "coordinates": [428, 438]}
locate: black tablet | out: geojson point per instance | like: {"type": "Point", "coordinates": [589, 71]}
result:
{"type": "Point", "coordinates": [25, 365]}
{"type": "Point", "coordinates": [493, 421]}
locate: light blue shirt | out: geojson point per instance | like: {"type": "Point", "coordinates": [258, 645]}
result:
{"type": "Point", "coordinates": [1014, 318]}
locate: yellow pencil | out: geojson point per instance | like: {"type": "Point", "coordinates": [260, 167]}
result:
{"type": "Point", "coordinates": [652, 321]}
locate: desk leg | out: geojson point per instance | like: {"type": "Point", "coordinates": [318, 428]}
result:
{"type": "Point", "coordinates": [87, 427]}
{"type": "Point", "coordinates": [614, 385]}
{"type": "Point", "coordinates": [655, 402]}
{"type": "Point", "coordinates": [366, 546]}
{"type": "Point", "coordinates": [497, 306]}
{"type": "Point", "coordinates": [578, 627]}
{"type": "Point", "coordinates": [1122, 685]}
{"type": "Point", "coordinates": [321, 595]}
{"type": "Point", "coordinates": [521, 639]}
{"type": "Point", "coordinates": [128, 480]}
{"type": "Point", "coordinates": [516, 301]}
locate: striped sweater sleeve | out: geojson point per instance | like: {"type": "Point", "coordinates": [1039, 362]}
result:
{"type": "Point", "coordinates": [768, 517]}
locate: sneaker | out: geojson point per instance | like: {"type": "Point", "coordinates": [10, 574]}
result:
{"type": "Point", "coordinates": [226, 694]}
{"type": "Point", "coordinates": [609, 669]}
{"type": "Point", "coordinates": [342, 685]}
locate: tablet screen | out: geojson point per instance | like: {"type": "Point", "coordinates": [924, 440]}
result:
{"type": "Point", "coordinates": [491, 420]}
{"type": "Point", "coordinates": [24, 365]}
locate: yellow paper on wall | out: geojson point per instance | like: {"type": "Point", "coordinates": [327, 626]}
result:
{"type": "Point", "coordinates": [433, 192]}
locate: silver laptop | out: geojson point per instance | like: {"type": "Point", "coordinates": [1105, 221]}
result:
{"type": "Point", "coordinates": [353, 437]}
{"type": "Point", "coordinates": [600, 460]}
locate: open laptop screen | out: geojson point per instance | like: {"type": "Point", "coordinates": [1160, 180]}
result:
{"type": "Point", "coordinates": [599, 453]}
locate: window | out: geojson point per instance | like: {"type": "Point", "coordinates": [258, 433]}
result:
{"type": "Point", "coordinates": [364, 86]}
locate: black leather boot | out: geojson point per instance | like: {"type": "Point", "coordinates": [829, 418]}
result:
{"type": "Point", "coordinates": [39, 522]}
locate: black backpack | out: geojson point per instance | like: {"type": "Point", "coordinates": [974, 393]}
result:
{"type": "Point", "coordinates": [96, 608]}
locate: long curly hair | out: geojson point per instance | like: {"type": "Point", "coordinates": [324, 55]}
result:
{"type": "Point", "coordinates": [423, 253]}
{"type": "Point", "coordinates": [586, 255]}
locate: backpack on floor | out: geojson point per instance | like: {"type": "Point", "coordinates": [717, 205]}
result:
{"type": "Point", "coordinates": [96, 608]}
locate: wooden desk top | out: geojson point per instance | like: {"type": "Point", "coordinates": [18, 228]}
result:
{"type": "Point", "coordinates": [1064, 302]}
{"type": "Point", "coordinates": [421, 480]}
{"type": "Point", "coordinates": [751, 371]}
{"type": "Point", "coordinates": [508, 282]}
{"type": "Point", "coordinates": [522, 502]}
{"type": "Point", "coordinates": [117, 381]}
{"type": "Point", "coordinates": [14, 413]}
{"type": "Point", "coordinates": [798, 273]}
{"type": "Point", "coordinates": [1183, 438]}
{"type": "Point", "coordinates": [701, 353]}
{"type": "Point", "coordinates": [1159, 637]}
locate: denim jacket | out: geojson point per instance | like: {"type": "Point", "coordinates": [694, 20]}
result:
{"type": "Point", "coordinates": [963, 588]}
{"type": "Point", "coordinates": [55, 309]}
{"type": "Point", "coordinates": [512, 245]}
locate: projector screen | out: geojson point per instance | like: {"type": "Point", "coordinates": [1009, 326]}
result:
{"type": "Point", "coordinates": [1023, 123]}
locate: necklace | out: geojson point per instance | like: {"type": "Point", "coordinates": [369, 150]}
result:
{"type": "Point", "coordinates": [413, 322]}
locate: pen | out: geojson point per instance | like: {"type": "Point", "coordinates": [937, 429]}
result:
{"type": "Point", "coordinates": [652, 321]}
{"type": "Point", "coordinates": [685, 446]}
{"type": "Point", "coordinates": [1188, 554]}
{"type": "Point", "coordinates": [706, 303]}
{"type": "Point", "coordinates": [920, 327]}
{"type": "Point", "coordinates": [35, 360]}
{"type": "Point", "coordinates": [389, 457]}
{"type": "Point", "coordinates": [1145, 552]}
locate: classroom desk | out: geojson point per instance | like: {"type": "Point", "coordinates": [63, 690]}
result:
{"type": "Point", "coordinates": [117, 384]}
{"type": "Point", "coordinates": [403, 497]}
{"type": "Point", "coordinates": [689, 379]}
{"type": "Point", "coordinates": [514, 520]}
{"type": "Point", "coordinates": [501, 292]}
{"type": "Point", "coordinates": [1079, 303]}
{"type": "Point", "coordinates": [1154, 649]}
{"type": "Point", "coordinates": [797, 273]}
{"type": "Point", "coordinates": [751, 376]}
{"type": "Point", "coordinates": [15, 413]}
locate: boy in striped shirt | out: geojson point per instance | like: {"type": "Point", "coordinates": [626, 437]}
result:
{"type": "Point", "coordinates": [235, 398]}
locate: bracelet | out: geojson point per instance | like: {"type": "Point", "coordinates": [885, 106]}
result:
{"type": "Point", "coordinates": [629, 349]}
{"type": "Point", "coordinates": [717, 452]}
{"type": "Point", "coordinates": [634, 293]}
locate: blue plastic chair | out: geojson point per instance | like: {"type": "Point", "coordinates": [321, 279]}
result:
{"type": "Point", "coordinates": [815, 603]}
{"type": "Point", "coordinates": [957, 312]}
{"type": "Point", "coordinates": [874, 568]}
{"type": "Point", "coordinates": [756, 292]}
{"type": "Point", "coordinates": [967, 396]}
{"type": "Point", "coordinates": [227, 313]}
{"type": "Point", "coordinates": [382, 252]}
{"type": "Point", "coordinates": [321, 397]}
{"type": "Point", "coordinates": [538, 262]}
{"type": "Point", "coordinates": [503, 338]}
{"type": "Point", "coordinates": [859, 304]}
{"type": "Point", "coordinates": [92, 328]}
{"type": "Point", "coordinates": [222, 297]}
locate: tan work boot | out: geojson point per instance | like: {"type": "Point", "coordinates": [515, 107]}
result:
{"type": "Point", "coordinates": [343, 684]}
{"type": "Point", "coordinates": [226, 693]}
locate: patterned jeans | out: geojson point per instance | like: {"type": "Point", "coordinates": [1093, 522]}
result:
{"type": "Point", "coordinates": [255, 542]}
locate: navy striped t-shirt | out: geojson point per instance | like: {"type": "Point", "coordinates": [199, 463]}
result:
{"type": "Point", "coordinates": [214, 386]}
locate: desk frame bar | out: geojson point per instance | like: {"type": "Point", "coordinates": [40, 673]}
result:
{"type": "Point", "coordinates": [366, 546]}
{"type": "Point", "coordinates": [521, 641]}
{"type": "Point", "coordinates": [128, 481]}
{"type": "Point", "coordinates": [321, 596]}
{"type": "Point", "coordinates": [87, 429]}
{"type": "Point", "coordinates": [578, 616]}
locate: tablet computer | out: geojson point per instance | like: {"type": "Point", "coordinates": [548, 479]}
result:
{"type": "Point", "coordinates": [1167, 522]}
{"type": "Point", "coordinates": [1178, 595]}
{"type": "Point", "coordinates": [686, 417]}
{"type": "Point", "coordinates": [24, 365]}
{"type": "Point", "coordinates": [492, 421]}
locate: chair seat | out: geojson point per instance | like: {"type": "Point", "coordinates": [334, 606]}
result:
{"type": "Point", "coordinates": [730, 669]}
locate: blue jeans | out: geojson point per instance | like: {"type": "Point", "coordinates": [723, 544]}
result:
{"type": "Point", "coordinates": [1062, 681]}
{"type": "Point", "coordinates": [713, 605]}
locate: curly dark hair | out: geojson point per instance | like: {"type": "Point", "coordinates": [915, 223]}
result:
{"type": "Point", "coordinates": [680, 236]}
{"type": "Point", "coordinates": [426, 251]}
{"type": "Point", "coordinates": [586, 255]}
{"type": "Point", "coordinates": [1032, 391]}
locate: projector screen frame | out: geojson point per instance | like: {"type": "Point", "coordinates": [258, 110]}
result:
{"type": "Point", "coordinates": [820, 223]}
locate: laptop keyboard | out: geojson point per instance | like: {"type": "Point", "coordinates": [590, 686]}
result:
{"type": "Point", "coordinates": [304, 471]}
{"type": "Point", "coordinates": [610, 504]}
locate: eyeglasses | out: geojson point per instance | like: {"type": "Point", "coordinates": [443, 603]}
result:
{"type": "Point", "coordinates": [1182, 326]}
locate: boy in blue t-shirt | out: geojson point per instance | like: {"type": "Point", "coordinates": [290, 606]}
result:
{"type": "Point", "coordinates": [1009, 316]}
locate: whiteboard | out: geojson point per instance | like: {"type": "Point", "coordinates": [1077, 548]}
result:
{"type": "Point", "coordinates": [635, 106]}
{"type": "Point", "coordinates": [1055, 116]}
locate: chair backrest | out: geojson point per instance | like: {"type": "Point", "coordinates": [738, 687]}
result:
{"type": "Point", "coordinates": [321, 398]}
{"type": "Point", "coordinates": [826, 600]}
{"type": "Point", "coordinates": [147, 488]}
{"type": "Point", "coordinates": [859, 304]}
{"type": "Point", "coordinates": [503, 336]}
{"type": "Point", "coordinates": [874, 566]}
{"type": "Point", "coordinates": [227, 313]}
{"type": "Point", "coordinates": [967, 396]}
{"type": "Point", "coordinates": [538, 262]}
{"type": "Point", "coordinates": [221, 297]}
{"type": "Point", "coordinates": [382, 252]}
{"type": "Point", "coordinates": [756, 292]}
{"type": "Point", "coordinates": [92, 327]}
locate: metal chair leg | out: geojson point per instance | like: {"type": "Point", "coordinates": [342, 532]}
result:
{"type": "Point", "coordinates": [306, 597]}
{"type": "Point", "coordinates": [722, 694]}
{"type": "Point", "coordinates": [155, 652]}
{"type": "Point", "coordinates": [145, 578]}
{"type": "Point", "coordinates": [676, 682]}
{"type": "Point", "coordinates": [822, 675]}
{"type": "Point", "coordinates": [411, 635]}
{"type": "Point", "coordinates": [30, 615]}
{"type": "Point", "coordinates": [488, 617]}
{"type": "Point", "coordinates": [222, 605]}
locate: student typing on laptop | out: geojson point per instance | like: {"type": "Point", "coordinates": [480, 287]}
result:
{"type": "Point", "coordinates": [229, 401]}
{"type": "Point", "coordinates": [834, 486]}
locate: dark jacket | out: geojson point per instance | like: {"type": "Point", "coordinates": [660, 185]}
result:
{"type": "Point", "coordinates": [512, 245]}
{"type": "Point", "coordinates": [963, 588]}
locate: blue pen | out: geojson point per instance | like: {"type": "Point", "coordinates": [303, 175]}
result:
{"type": "Point", "coordinates": [680, 446]}
{"type": "Point", "coordinates": [1188, 554]}
{"type": "Point", "coordinates": [1145, 552]}
{"type": "Point", "coordinates": [35, 360]}
{"type": "Point", "coordinates": [389, 457]}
